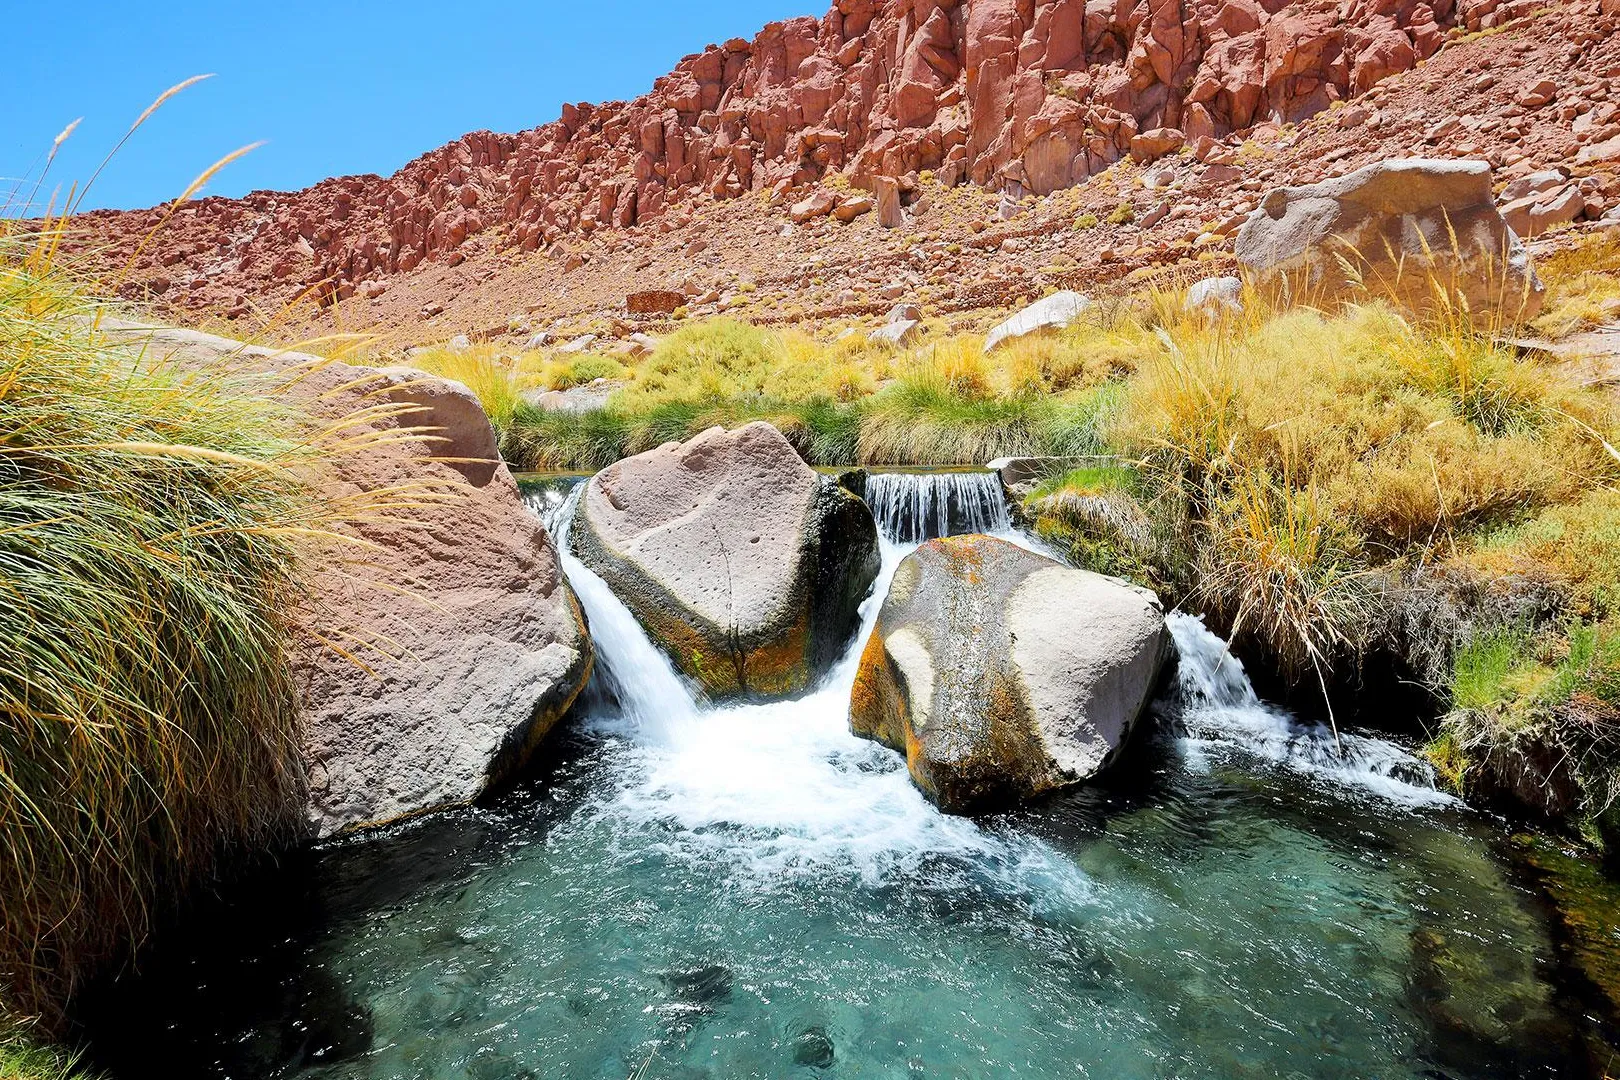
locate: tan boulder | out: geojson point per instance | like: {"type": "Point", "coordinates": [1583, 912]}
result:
{"type": "Point", "coordinates": [1003, 675]}
{"type": "Point", "coordinates": [735, 556]}
{"type": "Point", "coordinates": [1155, 144]}
{"type": "Point", "coordinates": [853, 207]}
{"type": "Point", "coordinates": [818, 205]}
{"type": "Point", "coordinates": [464, 641]}
{"type": "Point", "coordinates": [886, 190]}
{"type": "Point", "coordinates": [1392, 230]}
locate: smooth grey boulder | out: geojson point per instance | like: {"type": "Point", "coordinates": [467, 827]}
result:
{"type": "Point", "coordinates": [1003, 675]}
{"type": "Point", "coordinates": [903, 326]}
{"type": "Point", "coordinates": [1052, 313]}
{"type": "Point", "coordinates": [1392, 230]}
{"type": "Point", "coordinates": [734, 555]}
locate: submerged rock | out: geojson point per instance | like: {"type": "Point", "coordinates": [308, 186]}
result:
{"type": "Point", "coordinates": [1392, 230]}
{"type": "Point", "coordinates": [735, 556]}
{"type": "Point", "coordinates": [1003, 675]}
{"type": "Point", "coordinates": [435, 657]}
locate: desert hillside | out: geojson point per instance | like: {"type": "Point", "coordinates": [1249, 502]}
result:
{"type": "Point", "coordinates": [964, 155]}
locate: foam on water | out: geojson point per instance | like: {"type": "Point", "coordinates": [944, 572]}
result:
{"type": "Point", "coordinates": [1214, 704]}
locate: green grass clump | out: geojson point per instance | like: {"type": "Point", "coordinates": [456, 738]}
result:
{"type": "Point", "coordinates": [23, 1058]}
{"type": "Point", "coordinates": [150, 523]}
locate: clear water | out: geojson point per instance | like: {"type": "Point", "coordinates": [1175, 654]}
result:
{"type": "Point", "coordinates": [751, 892]}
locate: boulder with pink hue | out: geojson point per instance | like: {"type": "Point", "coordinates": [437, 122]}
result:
{"type": "Point", "coordinates": [736, 557]}
{"type": "Point", "coordinates": [435, 657]}
{"type": "Point", "coordinates": [1392, 230]}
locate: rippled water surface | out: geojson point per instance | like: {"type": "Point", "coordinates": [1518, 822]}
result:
{"type": "Point", "coordinates": [751, 892]}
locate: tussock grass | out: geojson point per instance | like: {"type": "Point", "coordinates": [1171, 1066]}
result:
{"type": "Point", "coordinates": [150, 524]}
{"type": "Point", "coordinates": [497, 380]}
{"type": "Point", "coordinates": [841, 403]}
{"type": "Point", "coordinates": [1583, 288]}
{"type": "Point", "coordinates": [24, 1058]}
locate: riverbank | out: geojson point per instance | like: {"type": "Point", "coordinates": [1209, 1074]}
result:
{"type": "Point", "coordinates": [1355, 498]}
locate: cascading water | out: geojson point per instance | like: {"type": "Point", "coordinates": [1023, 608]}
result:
{"type": "Point", "coordinates": [1214, 704]}
{"type": "Point", "coordinates": [911, 507]}
{"type": "Point", "coordinates": [782, 786]}
{"type": "Point", "coordinates": [748, 891]}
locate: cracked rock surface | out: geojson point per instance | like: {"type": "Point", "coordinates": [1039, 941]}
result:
{"type": "Point", "coordinates": [736, 557]}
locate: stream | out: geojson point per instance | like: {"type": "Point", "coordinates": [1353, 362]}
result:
{"type": "Point", "coordinates": [692, 891]}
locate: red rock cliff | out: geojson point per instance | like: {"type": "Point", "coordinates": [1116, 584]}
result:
{"type": "Point", "coordinates": [1019, 95]}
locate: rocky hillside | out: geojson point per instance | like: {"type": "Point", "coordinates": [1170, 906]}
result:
{"type": "Point", "coordinates": [973, 110]}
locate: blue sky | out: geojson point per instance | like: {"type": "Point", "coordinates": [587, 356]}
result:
{"type": "Point", "coordinates": [344, 86]}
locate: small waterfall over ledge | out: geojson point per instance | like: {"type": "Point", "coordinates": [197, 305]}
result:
{"type": "Point", "coordinates": [1214, 706]}
{"type": "Point", "coordinates": [1211, 703]}
{"type": "Point", "coordinates": [913, 507]}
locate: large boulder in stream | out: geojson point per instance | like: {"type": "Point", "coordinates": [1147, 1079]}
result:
{"type": "Point", "coordinates": [1003, 675]}
{"type": "Point", "coordinates": [440, 641]}
{"type": "Point", "coordinates": [1394, 230]}
{"type": "Point", "coordinates": [734, 555]}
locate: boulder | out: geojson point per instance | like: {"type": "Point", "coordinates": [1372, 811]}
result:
{"type": "Point", "coordinates": [1216, 298]}
{"type": "Point", "coordinates": [434, 658]}
{"type": "Point", "coordinates": [735, 556]}
{"type": "Point", "coordinates": [901, 333]}
{"type": "Point", "coordinates": [1390, 230]}
{"type": "Point", "coordinates": [1155, 144]}
{"type": "Point", "coordinates": [1053, 313]}
{"type": "Point", "coordinates": [1003, 675]}
{"type": "Point", "coordinates": [886, 190]}
{"type": "Point", "coordinates": [819, 204]}
{"type": "Point", "coordinates": [853, 207]}
{"type": "Point", "coordinates": [654, 302]}
{"type": "Point", "coordinates": [1608, 150]}
{"type": "Point", "coordinates": [1535, 214]}
{"type": "Point", "coordinates": [903, 327]}
{"type": "Point", "coordinates": [1534, 184]}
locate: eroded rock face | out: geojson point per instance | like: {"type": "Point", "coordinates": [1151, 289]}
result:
{"type": "Point", "coordinates": [1003, 675]}
{"type": "Point", "coordinates": [1401, 226]}
{"type": "Point", "coordinates": [472, 642]}
{"type": "Point", "coordinates": [1016, 95]}
{"type": "Point", "coordinates": [734, 555]}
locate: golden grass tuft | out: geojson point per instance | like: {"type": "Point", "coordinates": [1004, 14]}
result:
{"type": "Point", "coordinates": [150, 525]}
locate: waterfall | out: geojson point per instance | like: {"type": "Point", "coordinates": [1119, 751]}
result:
{"type": "Point", "coordinates": [1214, 706]}
{"type": "Point", "coordinates": [912, 507]}
{"type": "Point", "coordinates": [765, 789]}
{"type": "Point", "coordinates": [652, 697]}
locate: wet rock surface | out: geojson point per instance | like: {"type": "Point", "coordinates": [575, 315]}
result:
{"type": "Point", "coordinates": [736, 557]}
{"type": "Point", "coordinates": [1003, 675]}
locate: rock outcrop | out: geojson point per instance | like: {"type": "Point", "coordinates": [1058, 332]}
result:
{"type": "Point", "coordinates": [1022, 96]}
{"type": "Point", "coordinates": [1003, 675]}
{"type": "Point", "coordinates": [734, 555]}
{"type": "Point", "coordinates": [1393, 230]}
{"type": "Point", "coordinates": [441, 648]}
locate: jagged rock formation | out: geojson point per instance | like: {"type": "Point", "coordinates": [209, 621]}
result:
{"type": "Point", "coordinates": [1017, 95]}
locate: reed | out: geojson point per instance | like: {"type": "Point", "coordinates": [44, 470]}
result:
{"type": "Point", "coordinates": [151, 521]}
